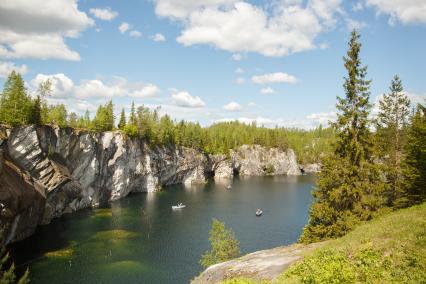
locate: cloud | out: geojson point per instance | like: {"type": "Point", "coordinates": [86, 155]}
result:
{"type": "Point", "coordinates": [181, 9]}
{"type": "Point", "coordinates": [267, 90]}
{"type": "Point", "coordinates": [37, 28]}
{"type": "Point", "coordinates": [158, 37]}
{"type": "Point", "coordinates": [7, 67]}
{"type": "Point", "coordinates": [232, 106]}
{"type": "Point", "coordinates": [354, 24]}
{"type": "Point", "coordinates": [124, 27]}
{"type": "Point", "coordinates": [240, 80]}
{"type": "Point", "coordinates": [64, 87]}
{"type": "Point", "coordinates": [358, 6]}
{"type": "Point", "coordinates": [236, 26]}
{"type": "Point", "coordinates": [406, 12]}
{"type": "Point", "coordinates": [322, 117]}
{"type": "Point", "coordinates": [184, 99]}
{"type": "Point", "coordinates": [251, 104]}
{"type": "Point", "coordinates": [236, 57]}
{"type": "Point", "coordinates": [239, 70]}
{"type": "Point", "coordinates": [105, 14]}
{"type": "Point", "coordinates": [135, 33]}
{"type": "Point", "coordinates": [278, 77]}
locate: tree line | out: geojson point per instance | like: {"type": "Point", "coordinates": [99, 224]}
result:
{"type": "Point", "coordinates": [18, 107]}
{"type": "Point", "coordinates": [368, 172]}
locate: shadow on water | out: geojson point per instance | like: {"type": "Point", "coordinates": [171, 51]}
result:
{"type": "Point", "coordinates": [141, 239]}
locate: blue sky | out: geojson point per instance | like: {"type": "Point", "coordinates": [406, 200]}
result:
{"type": "Point", "coordinates": [276, 62]}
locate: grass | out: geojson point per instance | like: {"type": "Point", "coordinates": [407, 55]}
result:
{"type": "Point", "coordinates": [389, 249]}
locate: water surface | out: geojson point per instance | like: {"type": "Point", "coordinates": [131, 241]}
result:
{"type": "Point", "coordinates": [140, 239]}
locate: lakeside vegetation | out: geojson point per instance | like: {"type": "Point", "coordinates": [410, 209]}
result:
{"type": "Point", "coordinates": [18, 107]}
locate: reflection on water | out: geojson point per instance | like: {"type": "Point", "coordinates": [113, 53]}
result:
{"type": "Point", "coordinates": [140, 239]}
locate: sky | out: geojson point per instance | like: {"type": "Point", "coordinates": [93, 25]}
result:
{"type": "Point", "coordinates": [274, 62]}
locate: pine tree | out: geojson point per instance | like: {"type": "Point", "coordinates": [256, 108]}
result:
{"type": "Point", "coordinates": [224, 245]}
{"type": "Point", "coordinates": [132, 119]}
{"type": "Point", "coordinates": [392, 120]}
{"type": "Point", "coordinates": [349, 188]}
{"type": "Point", "coordinates": [15, 104]}
{"type": "Point", "coordinates": [122, 122]}
{"type": "Point", "coordinates": [414, 164]}
{"type": "Point", "coordinates": [36, 111]}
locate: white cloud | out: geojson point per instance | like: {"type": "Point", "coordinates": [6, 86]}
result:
{"type": "Point", "coordinates": [37, 28]}
{"type": "Point", "coordinates": [7, 67]}
{"type": "Point", "coordinates": [232, 106]}
{"type": "Point", "coordinates": [135, 33]}
{"type": "Point", "coordinates": [267, 90]}
{"type": "Point", "coordinates": [291, 26]}
{"type": "Point", "coordinates": [278, 77]}
{"type": "Point", "coordinates": [158, 37]}
{"type": "Point", "coordinates": [251, 104]}
{"type": "Point", "coordinates": [240, 80]}
{"type": "Point", "coordinates": [124, 27]}
{"type": "Point", "coordinates": [64, 87]}
{"type": "Point", "coordinates": [354, 24]}
{"type": "Point", "coordinates": [322, 117]}
{"type": "Point", "coordinates": [105, 14]}
{"type": "Point", "coordinates": [358, 6]}
{"type": "Point", "coordinates": [416, 98]}
{"type": "Point", "coordinates": [236, 57]}
{"type": "Point", "coordinates": [184, 99]}
{"type": "Point", "coordinates": [239, 70]}
{"type": "Point", "coordinates": [180, 9]}
{"type": "Point", "coordinates": [404, 11]}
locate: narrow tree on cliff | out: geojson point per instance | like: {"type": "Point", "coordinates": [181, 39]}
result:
{"type": "Point", "coordinates": [122, 122]}
{"type": "Point", "coordinates": [15, 104]}
{"type": "Point", "coordinates": [392, 120]}
{"type": "Point", "coordinates": [224, 245]}
{"type": "Point", "coordinates": [349, 188]}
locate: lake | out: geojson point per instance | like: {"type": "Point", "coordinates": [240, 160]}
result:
{"type": "Point", "coordinates": [140, 239]}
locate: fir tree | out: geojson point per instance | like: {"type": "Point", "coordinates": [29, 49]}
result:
{"type": "Point", "coordinates": [392, 120]}
{"type": "Point", "coordinates": [132, 119]}
{"type": "Point", "coordinates": [349, 188]}
{"type": "Point", "coordinates": [7, 273]}
{"type": "Point", "coordinates": [122, 122]}
{"type": "Point", "coordinates": [224, 245]}
{"type": "Point", "coordinates": [15, 104]}
{"type": "Point", "coordinates": [414, 164]}
{"type": "Point", "coordinates": [36, 111]}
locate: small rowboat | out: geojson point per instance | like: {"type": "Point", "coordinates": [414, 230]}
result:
{"type": "Point", "coordinates": [259, 212]}
{"type": "Point", "coordinates": [179, 206]}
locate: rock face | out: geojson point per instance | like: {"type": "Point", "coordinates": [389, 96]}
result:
{"type": "Point", "coordinates": [48, 171]}
{"type": "Point", "coordinates": [261, 265]}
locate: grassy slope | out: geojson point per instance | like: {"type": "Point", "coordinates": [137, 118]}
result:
{"type": "Point", "coordinates": [391, 248]}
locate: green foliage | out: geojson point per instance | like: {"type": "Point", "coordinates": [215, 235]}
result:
{"type": "Point", "coordinates": [350, 186]}
{"type": "Point", "coordinates": [57, 115]}
{"type": "Point", "coordinates": [73, 120]}
{"type": "Point", "coordinates": [122, 122]}
{"type": "Point", "coordinates": [414, 164]}
{"type": "Point", "coordinates": [269, 169]}
{"type": "Point", "coordinates": [391, 125]}
{"type": "Point", "coordinates": [224, 245]}
{"type": "Point", "coordinates": [104, 119]}
{"type": "Point", "coordinates": [15, 103]}
{"type": "Point", "coordinates": [7, 272]}
{"type": "Point", "coordinates": [389, 249]}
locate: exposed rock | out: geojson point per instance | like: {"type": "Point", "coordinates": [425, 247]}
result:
{"type": "Point", "coordinates": [312, 168]}
{"type": "Point", "coordinates": [260, 265]}
{"type": "Point", "coordinates": [254, 160]}
{"type": "Point", "coordinates": [77, 169]}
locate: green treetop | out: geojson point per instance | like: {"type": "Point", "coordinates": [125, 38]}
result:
{"type": "Point", "coordinates": [122, 122]}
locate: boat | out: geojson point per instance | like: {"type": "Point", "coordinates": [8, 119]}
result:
{"type": "Point", "coordinates": [259, 212]}
{"type": "Point", "coordinates": [179, 206]}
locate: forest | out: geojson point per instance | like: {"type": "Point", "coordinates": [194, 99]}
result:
{"type": "Point", "coordinates": [19, 107]}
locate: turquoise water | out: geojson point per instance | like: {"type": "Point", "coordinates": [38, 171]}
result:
{"type": "Point", "coordinates": [140, 239]}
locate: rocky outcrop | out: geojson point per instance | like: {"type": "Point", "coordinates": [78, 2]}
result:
{"type": "Point", "coordinates": [63, 170]}
{"type": "Point", "coordinates": [259, 266]}
{"type": "Point", "coordinates": [312, 168]}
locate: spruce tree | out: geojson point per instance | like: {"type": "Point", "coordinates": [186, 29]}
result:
{"type": "Point", "coordinates": [414, 164]}
{"type": "Point", "coordinates": [349, 187]}
{"type": "Point", "coordinates": [15, 104]}
{"type": "Point", "coordinates": [132, 119]}
{"type": "Point", "coordinates": [392, 120]}
{"type": "Point", "coordinates": [122, 122]}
